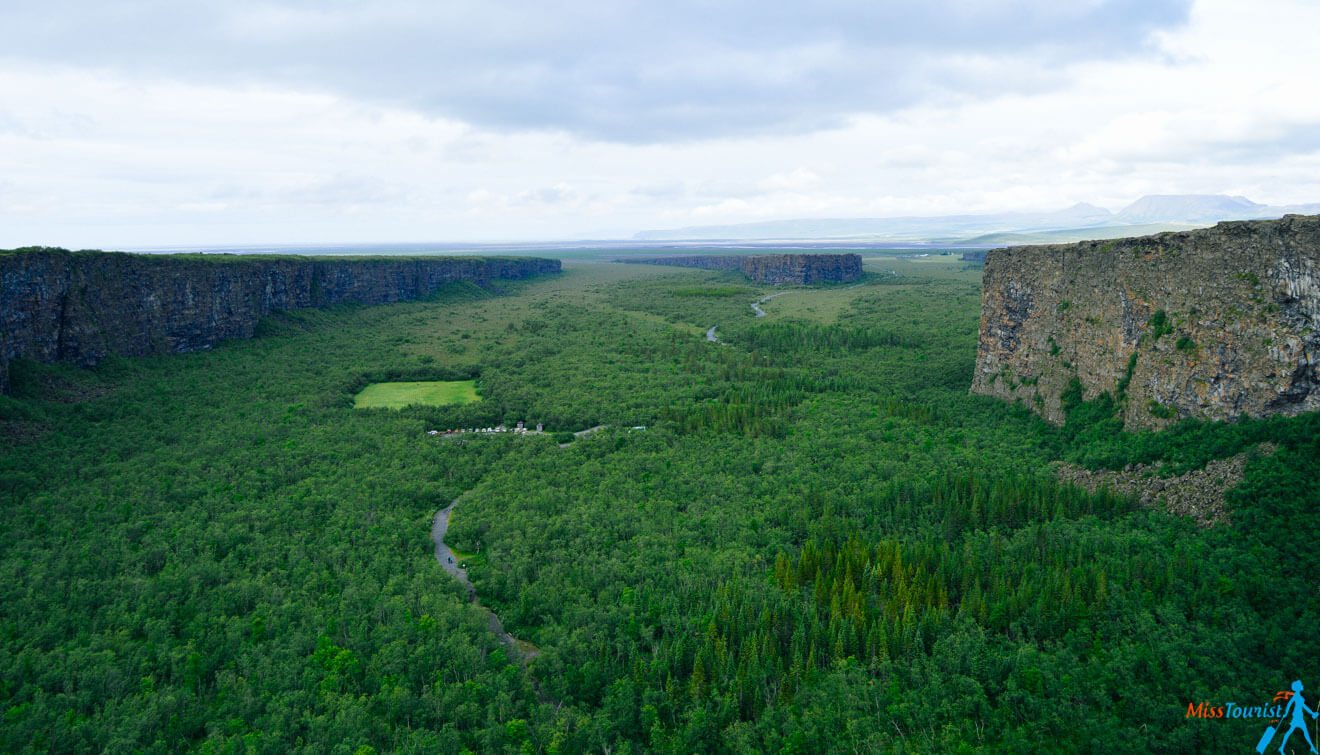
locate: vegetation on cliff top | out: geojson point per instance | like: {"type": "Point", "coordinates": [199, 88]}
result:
{"type": "Point", "coordinates": [227, 258]}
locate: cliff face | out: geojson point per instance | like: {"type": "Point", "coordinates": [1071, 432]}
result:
{"type": "Point", "coordinates": [81, 307]}
{"type": "Point", "coordinates": [802, 268]}
{"type": "Point", "coordinates": [704, 261]}
{"type": "Point", "coordinates": [1209, 323]}
{"type": "Point", "coordinates": [776, 269]}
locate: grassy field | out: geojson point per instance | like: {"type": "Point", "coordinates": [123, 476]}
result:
{"type": "Point", "coordinates": [430, 393]}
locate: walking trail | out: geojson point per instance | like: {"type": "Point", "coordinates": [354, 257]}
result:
{"type": "Point", "coordinates": [580, 433]}
{"type": "Point", "coordinates": [756, 306]}
{"type": "Point", "coordinates": [519, 650]}
{"type": "Point", "coordinates": [522, 651]}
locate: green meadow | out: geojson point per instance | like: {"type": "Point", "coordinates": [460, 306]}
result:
{"type": "Point", "coordinates": [425, 393]}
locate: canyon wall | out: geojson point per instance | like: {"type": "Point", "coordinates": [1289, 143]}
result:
{"type": "Point", "coordinates": [776, 269]}
{"type": "Point", "coordinates": [82, 306]}
{"type": "Point", "coordinates": [704, 261]}
{"type": "Point", "coordinates": [1212, 323]}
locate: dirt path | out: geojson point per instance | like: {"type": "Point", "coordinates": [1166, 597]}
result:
{"type": "Point", "coordinates": [580, 433]}
{"type": "Point", "coordinates": [521, 651]}
{"type": "Point", "coordinates": [757, 305]}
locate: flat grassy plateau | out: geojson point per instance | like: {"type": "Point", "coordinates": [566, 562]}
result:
{"type": "Point", "coordinates": [425, 393]}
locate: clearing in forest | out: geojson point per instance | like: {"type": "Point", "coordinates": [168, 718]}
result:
{"type": "Point", "coordinates": [431, 393]}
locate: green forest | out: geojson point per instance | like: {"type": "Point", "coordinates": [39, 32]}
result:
{"type": "Point", "coordinates": [805, 537]}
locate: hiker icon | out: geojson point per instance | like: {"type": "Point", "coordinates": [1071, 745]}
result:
{"type": "Point", "coordinates": [1297, 708]}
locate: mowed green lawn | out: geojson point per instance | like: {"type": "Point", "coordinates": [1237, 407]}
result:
{"type": "Point", "coordinates": [433, 393]}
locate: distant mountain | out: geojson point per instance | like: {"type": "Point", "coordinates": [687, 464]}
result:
{"type": "Point", "coordinates": [1190, 208]}
{"type": "Point", "coordinates": [896, 229]}
{"type": "Point", "coordinates": [1203, 209]}
{"type": "Point", "coordinates": [1069, 235]}
{"type": "Point", "coordinates": [1149, 214]}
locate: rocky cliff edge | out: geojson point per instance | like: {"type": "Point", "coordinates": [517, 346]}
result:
{"type": "Point", "coordinates": [82, 306]}
{"type": "Point", "coordinates": [1211, 323]}
{"type": "Point", "coordinates": [775, 269]}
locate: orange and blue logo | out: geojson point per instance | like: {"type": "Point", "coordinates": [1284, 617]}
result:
{"type": "Point", "coordinates": [1288, 706]}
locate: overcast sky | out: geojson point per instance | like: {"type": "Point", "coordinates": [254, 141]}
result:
{"type": "Point", "coordinates": [157, 122]}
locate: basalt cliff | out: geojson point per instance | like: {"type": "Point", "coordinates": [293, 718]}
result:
{"type": "Point", "coordinates": [82, 306]}
{"type": "Point", "coordinates": [1212, 323]}
{"type": "Point", "coordinates": [776, 269]}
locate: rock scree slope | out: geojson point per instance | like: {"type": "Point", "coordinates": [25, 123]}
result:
{"type": "Point", "coordinates": [1212, 323]}
{"type": "Point", "coordinates": [80, 307]}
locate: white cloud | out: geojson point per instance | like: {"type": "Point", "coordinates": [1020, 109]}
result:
{"type": "Point", "coordinates": [801, 178]}
{"type": "Point", "coordinates": [632, 72]}
{"type": "Point", "coordinates": [131, 154]}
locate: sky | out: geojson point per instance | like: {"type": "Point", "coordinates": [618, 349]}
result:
{"type": "Point", "coordinates": [137, 123]}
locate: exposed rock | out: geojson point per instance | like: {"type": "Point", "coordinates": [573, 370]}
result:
{"type": "Point", "coordinates": [802, 269]}
{"type": "Point", "coordinates": [19, 432]}
{"type": "Point", "coordinates": [1198, 494]}
{"type": "Point", "coordinates": [776, 269]}
{"type": "Point", "coordinates": [1222, 321]}
{"type": "Point", "coordinates": [704, 261]}
{"type": "Point", "coordinates": [80, 307]}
